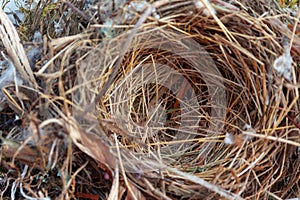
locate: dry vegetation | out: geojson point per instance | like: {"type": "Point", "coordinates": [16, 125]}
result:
{"type": "Point", "coordinates": [134, 111]}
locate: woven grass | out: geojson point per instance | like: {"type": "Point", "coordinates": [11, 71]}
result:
{"type": "Point", "coordinates": [187, 106]}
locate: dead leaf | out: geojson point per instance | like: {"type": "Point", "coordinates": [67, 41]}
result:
{"type": "Point", "coordinates": [15, 49]}
{"type": "Point", "coordinates": [90, 144]}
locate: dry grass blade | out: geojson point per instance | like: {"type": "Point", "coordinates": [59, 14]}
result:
{"type": "Point", "coordinates": [14, 48]}
{"type": "Point", "coordinates": [114, 192]}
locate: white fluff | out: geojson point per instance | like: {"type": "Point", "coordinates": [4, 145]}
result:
{"type": "Point", "coordinates": [248, 129]}
{"type": "Point", "coordinates": [283, 64]}
{"type": "Point", "coordinates": [228, 139]}
{"type": "Point", "coordinates": [140, 6]}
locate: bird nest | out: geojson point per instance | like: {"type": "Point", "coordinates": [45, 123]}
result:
{"type": "Point", "coordinates": [181, 100]}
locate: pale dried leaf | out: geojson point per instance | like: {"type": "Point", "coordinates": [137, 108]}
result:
{"type": "Point", "coordinates": [14, 48]}
{"type": "Point", "coordinates": [90, 144]}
